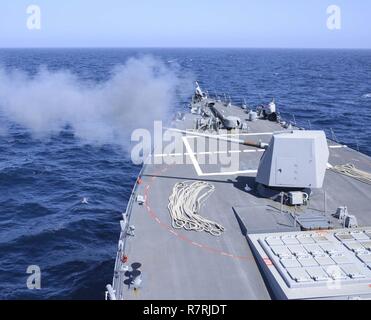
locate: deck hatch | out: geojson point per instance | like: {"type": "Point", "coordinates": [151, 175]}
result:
{"type": "Point", "coordinates": [313, 270]}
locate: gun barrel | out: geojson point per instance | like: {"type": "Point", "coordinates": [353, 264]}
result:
{"type": "Point", "coordinates": [259, 145]}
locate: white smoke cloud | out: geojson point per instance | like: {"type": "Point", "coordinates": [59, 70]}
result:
{"type": "Point", "coordinates": [137, 93]}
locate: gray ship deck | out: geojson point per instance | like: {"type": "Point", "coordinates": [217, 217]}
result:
{"type": "Point", "coordinates": [179, 264]}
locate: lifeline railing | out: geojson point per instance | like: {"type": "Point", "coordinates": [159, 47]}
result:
{"type": "Point", "coordinates": [111, 293]}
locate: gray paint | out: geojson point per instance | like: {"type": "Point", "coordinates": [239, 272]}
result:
{"type": "Point", "coordinates": [176, 267]}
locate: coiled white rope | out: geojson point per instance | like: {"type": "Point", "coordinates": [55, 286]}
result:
{"type": "Point", "coordinates": [184, 206]}
{"type": "Point", "coordinates": [351, 171]}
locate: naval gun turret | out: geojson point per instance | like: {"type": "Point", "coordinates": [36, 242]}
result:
{"type": "Point", "coordinates": [294, 162]}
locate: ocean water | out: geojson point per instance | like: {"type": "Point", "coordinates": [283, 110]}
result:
{"type": "Point", "coordinates": [42, 181]}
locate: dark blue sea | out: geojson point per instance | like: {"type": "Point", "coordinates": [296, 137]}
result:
{"type": "Point", "coordinates": [43, 180]}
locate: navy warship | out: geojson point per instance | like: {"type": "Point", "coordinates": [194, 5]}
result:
{"type": "Point", "coordinates": [246, 205]}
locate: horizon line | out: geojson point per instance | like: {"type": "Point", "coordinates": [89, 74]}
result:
{"type": "Point", "coordinates": [185, 47]}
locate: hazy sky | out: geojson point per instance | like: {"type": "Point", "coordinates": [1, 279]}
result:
{"type": "Point", "coordinates": [186, 23]}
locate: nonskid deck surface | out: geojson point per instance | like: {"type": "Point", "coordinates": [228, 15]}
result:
{"type": "Point", "coordinates": [180, 264]}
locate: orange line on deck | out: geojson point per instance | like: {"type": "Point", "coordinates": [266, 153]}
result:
{"type": "Point", "coordinates": [154, 216]}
